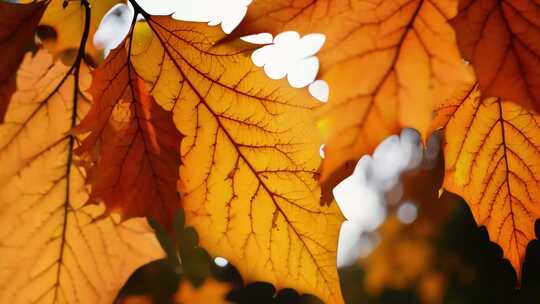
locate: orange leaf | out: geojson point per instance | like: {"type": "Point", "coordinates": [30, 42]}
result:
{"type": "Point", "coordinates": [136, 169]}
{"type": "Point", "coordinates": [250, 157]}
{"type": "Point", "coordinates": [387, 63]}
{"type": "Point", "coordinates": [17, 25]}
{"type": "Point", "coordinates": [491, 158]}
{"type": "Point", "coordinates": [502, 41]}
{"type": "Point", "coordinates": [53, 247]}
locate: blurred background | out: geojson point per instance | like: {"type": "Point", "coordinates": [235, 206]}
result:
{"type": "Point", "coordinates": [425, 248]}
{"type": "Point", "coordinates": [404, 241]}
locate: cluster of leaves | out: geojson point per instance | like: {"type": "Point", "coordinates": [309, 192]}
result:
{"type": "Point", "coordinates": [177, 116]}
{"type": "Point", "coordinates": [169, 111]}
{"type": "Point", "coordinates": [409, 54]}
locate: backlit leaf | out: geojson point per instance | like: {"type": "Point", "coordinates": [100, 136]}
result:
{"type": "Point", "coordinates": [68, 23]}
{"type": "Point", "coordinates": [136, 168]}
{"type": "Point", "coordinates": [250, 156]}
{"type": "Point", "coordinates": [387, 63]}
{"type": "Point", "coordinates": [492, 160]}
{"type": "Point", "coordinates": [53, 247]}
{"type": "Point", "coordinates": [17, 25]}
{"type": "Point", "coordinates": [502, 41]}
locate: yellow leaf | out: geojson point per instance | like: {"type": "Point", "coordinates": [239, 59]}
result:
{"type": "Point", "coordinates": [250, 156]}
{"type": "Point", "coordinates": [492, 159]}
{"type": "Point", "coordinates": [68, 23]}
{"type": "Point", "coordinates": [53, 247]}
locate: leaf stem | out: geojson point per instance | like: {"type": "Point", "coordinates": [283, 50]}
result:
{"type": "Point", "coordinates": [86, 32]}
{"type": "Point", "coordinates": [75, 71]}
{"type": "Point", "coordinates": [139, 10]}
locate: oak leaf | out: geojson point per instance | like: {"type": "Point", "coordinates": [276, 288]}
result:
{"type": "Point", "coordinates": [136, 167]}
{"type": "Point", "coordinates": [250, 158]}
{"type": "Point", "coordinates": [492, 156]}
{"type": "Point", "coordinates": [502, 41]}
{"type": "Point", "coordinates": [387, 63]}
{"type": "Point", "coordinates": [53, 247]}
{"type": "Point", "coordinates": [17, 25]}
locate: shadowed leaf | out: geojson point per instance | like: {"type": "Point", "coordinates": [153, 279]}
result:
{"type": "Point", "coordinates": [502, 41]}
{"type": "Point", "coordinates": [17, 25]}
{"type": "Point", "coordinates": [133, 144]}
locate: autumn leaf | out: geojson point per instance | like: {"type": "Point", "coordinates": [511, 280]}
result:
{"type": "Point", "coordinates": [492, 158]}
{"type": "Point", "coordinates": [296, 15]}
{"type": "Point", "coordinates": [53, 247]}
{"type": "Point", "coordinates": [387, 63]}
{"type": "Point", "coordinates": [66, 18]}
{"type": "Point", "coordinates": [502, 41]}
{"type": "Point", "coordinates": [136, 169]}
{"type": "Point", "coordinates": [17, 25]}
{"type": "Point", "coordinates": [250, 156]}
